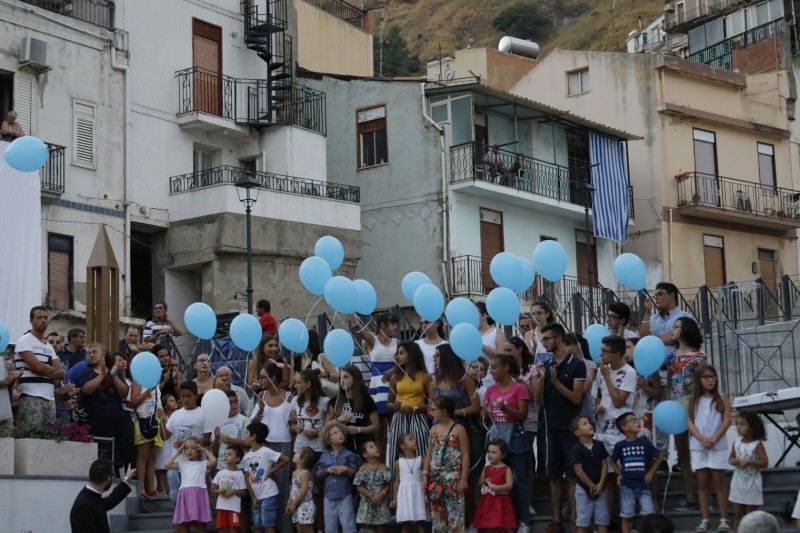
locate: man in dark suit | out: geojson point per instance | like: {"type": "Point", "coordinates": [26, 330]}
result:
{"type": "Point", "coordinates": [88, 513]}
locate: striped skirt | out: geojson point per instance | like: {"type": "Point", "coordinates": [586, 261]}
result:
{"type": "Point", "coordinates": [415, 423]}
{"type": "Point", "coordinates": [283, 478]}
{"type": "Point", "coordinates": [378, 387]}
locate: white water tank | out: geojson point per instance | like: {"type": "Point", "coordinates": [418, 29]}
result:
{"type": "Point", "coordinates": [520, 47]}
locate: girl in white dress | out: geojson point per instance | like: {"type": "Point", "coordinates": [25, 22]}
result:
{"type": "Point", "coordinates": [749, 456]}
{"type": "Point", "coordinates": [409, 496]}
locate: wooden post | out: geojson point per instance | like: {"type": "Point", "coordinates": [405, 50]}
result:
{"type": "Point", "coordinates": [102, 294]}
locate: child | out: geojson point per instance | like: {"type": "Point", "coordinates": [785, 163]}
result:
{"type": "Point", "coordinates": [630, 458]}
{"type": "Point", "coordinates": [373, 482]}
{"type": "Point", "coordinates": [260, 465]}
{"type": "Point", "coordinates": [495, 512]}
{"type": "Point", "coordinates": [446, 468]}
{"type": "Point", "coordinates": [709, 420]}
{"type": "Point", "coordinates": [301, 502]}
{"type": "Point", "coordinates": [230, 432]}
{"type": "Point", "coordinates": [336, 469]}
{"type": "Point", "coordinates": [192, 507]}
{"type": "Point", "coordinates": [589, 459]}
{"type": "Point", "coordinates": [409, 498]}
{"type": "Point", "coordinates": [170, 405]}
{"type": "Point", "coordinates": [749, 456]}
{"type": "Point", "coordinates": [230, 485]}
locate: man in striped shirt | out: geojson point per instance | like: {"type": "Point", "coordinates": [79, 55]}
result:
{"type": "Point", "coordinates": [41, 369]}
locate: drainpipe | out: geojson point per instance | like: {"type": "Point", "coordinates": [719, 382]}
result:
{"type": "Point", "coordinates": [443, 201]}
{"type": "Point", "coordinates": [670, 245]}
{"type": "Point", "coordinates": [126, 213]}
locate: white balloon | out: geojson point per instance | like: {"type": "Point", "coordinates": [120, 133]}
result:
{"type": "Point", "coordinates": [216, 407]}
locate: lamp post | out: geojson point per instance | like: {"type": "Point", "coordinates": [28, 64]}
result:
{"type": "Point", "coordinates": [244, 190]}
{"type": "Point", "coordinates": [587, 188]}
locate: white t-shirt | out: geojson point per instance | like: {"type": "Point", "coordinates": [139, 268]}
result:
{"type": "Point", "coordinates": [258, 463]}
{"type": "Point", "coordinates": [45, 354]}
{"type": "Point", "coordinates": [230, 479]}
{"type": "Point", "coordinates": [381, 353]}
{"type": "Point", "coordinates": [193, 473]}
{"type": "Point", "coordinates": [188, 424]}
{"type": "Point", "coordinates": [309, 418]}
{"type": "Point", "coordinates": [233, 427]}
{"type": "Point", "coordinates": [427, 351]}
{"type": "Point", "coordinates": [5, 398]}
{"type": "Point", "coordinates": [277, 420]}
{"type": "Point", "coordinates": [624, 379]}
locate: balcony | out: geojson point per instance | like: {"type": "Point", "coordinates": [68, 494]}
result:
{"type": "Point", "coordinates": [470, 277]}
{"type": "Point", "coordinates": [97, 12]}
{"type": "Point", "coordinates": [52, 174]}
{"type": "Point", "coordinates": [685, 15]}
{"type": "Point", "coordinates": [735, 201]}
{"type": "Point", "coordinates": [721, 54]}
{"type": "Point", "coordinates": [341, 10]}
{"type": "Point", "coordinates": [212, 102]}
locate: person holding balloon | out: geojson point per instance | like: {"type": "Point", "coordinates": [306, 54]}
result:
{"type": "Point", "coordinates": [147, 404]}
{"type": "Point", "coordinates": [355, 409]}
{"type": "Point", "coordinates": [617, 318]}
{"type": "Point", "coordinates": [204, 377]}
{"type": "Point", "coordinates": [493, 336]}
{"type": "Point", "coordinates": [268, 352]}
{"type": "Point", "coordinates": [543, 315]}
{"type": "Point", "coordinates": [432, 337]}
{"type": "Point", "coordinates": [308, 411]}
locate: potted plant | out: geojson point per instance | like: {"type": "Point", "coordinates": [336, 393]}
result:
{"type": "Point", "coordinates": [57, 449]}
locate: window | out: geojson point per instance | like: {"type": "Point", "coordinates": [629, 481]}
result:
{"type": "Point", "coordinates": [766, 164]}
{"type": "Point", "coordinates": [84, 151]}
{"type": "Point", "coordinates": [372, 145]}
{"type": "Point", "coordinates": [202, 164]}
{"type": "Point", "coordinates": [59, 271]}
{"type": "Point", "coordinates": [578, 82]}
{"type": "Point", "coordinates": [23, 100]}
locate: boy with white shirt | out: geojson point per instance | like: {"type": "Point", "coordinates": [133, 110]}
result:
{"type": "Point", "coordinates": [230, 485]}
{"type": "Point", "coordinates": [261, 463]}
{"type": "Point", "coordinates": [230, 432]}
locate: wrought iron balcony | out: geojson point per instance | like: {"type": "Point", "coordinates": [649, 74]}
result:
{"type": "Point", "coordinates": [469, 276]}
{"type": "Point", "coordinates": [720, 55]}
{"type": "Point", "coordinates": [267, 181]}
{"type": "Point", "coordinates": [52, 174]}
{"type": "Point", "coordinates": [686, 15]}
{"type": "Point", "coordinates": [731, 200]}
{"type": "Point", "coordinates": [97, 12]}
{"type": "Point", "coordinates": [342, 10]}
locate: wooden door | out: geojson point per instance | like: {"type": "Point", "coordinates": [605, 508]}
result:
{"type": "Point", "coordinates": [207, 63]}
{"type": "Point", "coordinates": [491, 244]}
{"type": "Point", "coordinates": [705, 166]}
{"type": "Point", "coordinates": [767, 271]}
{"type": "Point", "coordinates": [585, 258]}
{"type": "Point", "coordinates": [714, 260]}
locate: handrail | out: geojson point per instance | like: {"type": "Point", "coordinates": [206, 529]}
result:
{"type": "Point", "coordinates": [267, 180]}
{"type": "Point", "coordinates": [53, 173]}
{"type": "Point", "coordinates": [720, 55]}
{"type": "Point", "coordinates": [97, 12]}
{"type": "Point", "coordinates": [701, 11]}
{"type": "Point", "coordinates": [342, 10]}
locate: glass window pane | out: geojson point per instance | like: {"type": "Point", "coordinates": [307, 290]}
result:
{"type": "Point", "coordinates": [461, 109]}
{"type": "Point", "coordinates": [766, 170]}
{"type": "Point", "coordinates": [584, 81]}
{"type": "Point", "coordinates": [574, 79]}
{"type": "Point", "coordinates": [715, 31]}
{"type": "Point", "coordinates": [368, 149]}
{"type": "Point", "coordinates": [697, 39]}
{"type": "Point", "coordinates": [439, 113]}
{"type": "Point", "coordinates": [381, 149]}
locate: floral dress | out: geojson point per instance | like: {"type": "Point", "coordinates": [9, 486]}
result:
{"type": "Point", "coordinates": [746, 486]}
{"type": "Point", "coordinates": [447, 512]}
{"type": "Point", "coordinates": [305, 512]}
{"type": "Point", "coordinates": [374, 480]}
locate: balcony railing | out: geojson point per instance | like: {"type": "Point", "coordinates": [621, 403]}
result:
{"type": "Point", "coordinates": [720, 55]}
{"type": "Point", "coordinates": [342, 10]}
{"type": "Point", "coordinates": [97, 12]}
{"type": "Point", "coordinates": [267, 181]}
{"type": "Point", "coordinates": [470, 276]}
{"type": "Point", "coordinates": [706, 190]}
{"type": "Point", "coordinates": [52, 174]}
{"type": "Point", "coordinates": [687, 17]}
{"type": "Point", "coordinates": [250, 102]}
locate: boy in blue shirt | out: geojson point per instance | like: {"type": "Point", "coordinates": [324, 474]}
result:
{"type": "Point", "coordinates": [336, 469]}
{"type": "Point", "coordinates": [630, 458]}
{"type": "Point", "coordinates": [590, 462]}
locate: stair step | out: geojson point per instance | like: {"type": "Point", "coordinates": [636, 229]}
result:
{"type": "Point", "coordinates": [281, 76]}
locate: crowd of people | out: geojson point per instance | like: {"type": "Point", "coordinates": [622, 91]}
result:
{"type": "Point", "coordinates": [413, 435]}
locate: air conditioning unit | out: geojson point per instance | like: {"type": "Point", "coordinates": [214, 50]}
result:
{"type": "Point", "coordinates": [33, 54]}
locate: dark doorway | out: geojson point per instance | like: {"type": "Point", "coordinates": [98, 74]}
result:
{"type": "Point", "coordinates": [6, 93]}
{"type": "Point", "coordinates": [141, 274]}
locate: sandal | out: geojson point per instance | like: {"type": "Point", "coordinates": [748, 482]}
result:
{"type": "Point", "coordinates": [703, 527]}
{"type": "Point", "coordinates": [724, 526]}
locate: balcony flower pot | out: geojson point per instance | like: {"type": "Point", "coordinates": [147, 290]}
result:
{"type": "Point", "coordinates": [6, 457]}
{"type": "Point", "coordinates": [43, 457]}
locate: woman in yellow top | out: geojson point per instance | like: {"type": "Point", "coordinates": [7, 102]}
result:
{"type": "Point", "coordinates": [408, 400]}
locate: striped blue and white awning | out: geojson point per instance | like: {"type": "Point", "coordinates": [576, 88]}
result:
{"type": "Point", "coordinates": [610, 202]}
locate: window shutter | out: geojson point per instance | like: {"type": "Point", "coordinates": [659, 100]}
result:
{"type": "Point", "coordinates": [83, 135]}
{"type": "Point", "coordinates": [23, 100]}
{"type": "Point", "coordinates": [58, 280]}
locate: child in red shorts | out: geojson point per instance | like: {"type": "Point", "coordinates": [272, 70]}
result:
{"type": "Point", "coordinates": [230, 485]}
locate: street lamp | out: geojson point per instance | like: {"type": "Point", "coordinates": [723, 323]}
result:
{"type": "Point", "coordinates": [244, 190]}
{"type": "Point", "coordinates": [587, 188]}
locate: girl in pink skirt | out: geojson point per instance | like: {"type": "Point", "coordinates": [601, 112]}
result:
{"type": "Point", "coordinates": [192, 507]}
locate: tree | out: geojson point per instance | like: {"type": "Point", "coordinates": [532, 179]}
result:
{"type": "Point", "coordinates": [522, 20]}
{"type": "Point", "coordinates": [394, 58]}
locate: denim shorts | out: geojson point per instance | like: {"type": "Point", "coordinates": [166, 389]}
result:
{"type": "Point", "coordinates": [266, 514]}
{"type": "Point", "coordinates": [588, 508]}
{"type": "Point", "coordinates": [628, 498]}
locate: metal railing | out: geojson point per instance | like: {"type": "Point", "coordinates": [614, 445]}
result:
{"type": "Point", "coordinates": [267, 180]}
{"type": "Point", "coordinates": [720, 55]}
{"type": "Point", "coordinates": [341, 10]}
{"type": "Point", "coordinates": [706, 190]}
{"type": "Point", "coordinates": [700, 10]}
{"type": "Point", "coordinates": [258, 25]}
{"type": "Point", "coordinates": [470, 276]}
{"type": "Point", "coordinates": [97, 12]}
{"type": "Point", "coordinates": [247, 101]}
{"type": "Point", "coordinates": [53, 173]}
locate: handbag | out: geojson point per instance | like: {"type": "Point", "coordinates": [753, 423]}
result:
{"type": "Point", "coordinates": [148, 426]}
{"type": "Point", "coordinates": [433, 488]}
{"type": "Point", "coordinates": [512, 433]}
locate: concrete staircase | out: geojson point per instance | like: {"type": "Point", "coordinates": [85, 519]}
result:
{"type": "Point", "coordinates": [149, 515]}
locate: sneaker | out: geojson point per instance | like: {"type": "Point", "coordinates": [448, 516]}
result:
{"type": "Point", "coordinates": [523, 528]}
{"type": "Point", "coordinates": [703, 526]}
{"type": "Point", "coordinates": [684, 505]}
{"type": "Point", "coordinates": [724, 526]}
{"type": "Point", "coordinates": [553, 527]}
{"type": "Point", "coordinates": [532, 511]}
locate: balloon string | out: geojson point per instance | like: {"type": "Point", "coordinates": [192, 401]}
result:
{"type": "Point", "coordinates": [312, 310]}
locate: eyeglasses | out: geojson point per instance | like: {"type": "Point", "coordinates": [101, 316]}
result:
{"type": "Point", "coordinates": [658, 294]}
{"type": "Point", "coordinates": [613, 316]}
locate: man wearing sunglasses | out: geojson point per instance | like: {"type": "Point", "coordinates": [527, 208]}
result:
{"type": "Point", "coordinates": [661, 323]}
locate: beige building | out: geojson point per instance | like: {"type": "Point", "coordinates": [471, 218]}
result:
{"type": "Point", "coordinates": [714, 194]}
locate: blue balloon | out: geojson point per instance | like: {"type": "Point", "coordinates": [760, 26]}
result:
{"type": "Point", "coordinates": [339, 347]}
{"type": "Point", "coordinates": [594, 335]}
{"type": "Point", "coordinates": [550, 260]}
{"type": "Point", "coordinates": [629, 269]}
{"type": "Point", "coordinates": [411, 283]}
{"type": "Point", "coordinates": [505, 270]}
{"type": "Point", "coordinates": [649, 355]}
{"type": "Point", "coordinates": [331, 250]}
{"type": "Point", "coordinates": [246, 332]}
{"type": "Point", "coordinates": [341, 294]}
{"type": "Point", "coordinates": [200, 320]}
{"type": "Point", "coordinates": [146, 369]}
{"type": "Point", "coordinates": [671, 417]}
{"type": "Point", "coordinates": [5, 337]}
{"type": "Point", "coordinates": [293, 335]}
{"type": "Point", "coordinates": [461, 310]}
{"type": "Point", "coordinates": [26, 154]}
{"type": "Point", "coordinates": [429, 302]}
{"type": "Point", "coordinates": [466, 341]}
{"type": "Point", "coordinates": [314, 274]}
{"type": "Point", "coordinates": [366, 297]}
{"type": "Point", "coordinates": [526, 275]}
{"type": "Point", "coordinates": [503, 306]}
